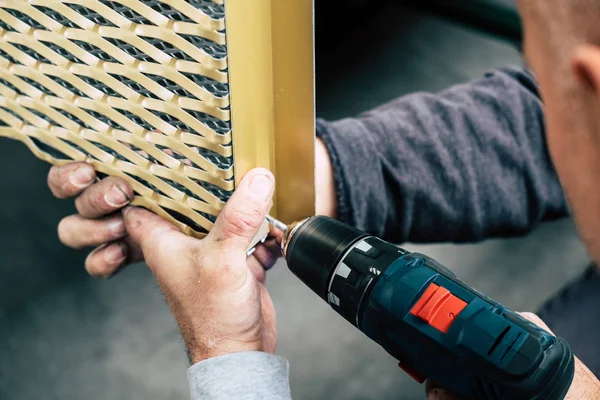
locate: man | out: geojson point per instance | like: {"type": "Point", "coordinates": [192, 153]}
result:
{"type": "Point", "coordinates": [568, 71]}
{"type": "Point", "coordinates": [468, 164]}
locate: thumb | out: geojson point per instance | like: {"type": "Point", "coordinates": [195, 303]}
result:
{"type": "Point", "coordinates": [153, 234]}
{"type": "Point", "coordinates": [246, 210]}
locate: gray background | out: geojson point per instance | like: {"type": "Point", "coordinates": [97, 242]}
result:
{"type": "Point", "coordinates": [66, 336]}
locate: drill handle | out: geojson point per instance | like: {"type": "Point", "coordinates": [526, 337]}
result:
{"type": "Point", "coordinates": [442, 329]}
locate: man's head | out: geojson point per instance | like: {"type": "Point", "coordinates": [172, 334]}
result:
{"type": "Point", "coordinates": [562, 41]}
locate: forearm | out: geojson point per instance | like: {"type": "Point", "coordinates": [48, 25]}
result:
{"type": "Point", "coordinates": [248, 375]}
{"type": "Point", "coordinates": [464, 165]}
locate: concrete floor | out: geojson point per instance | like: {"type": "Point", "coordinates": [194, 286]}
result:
{"type": "Point", "coordinates": [66, 336]}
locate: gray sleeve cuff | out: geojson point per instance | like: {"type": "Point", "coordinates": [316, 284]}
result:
{"type": "Point", "coordinates": [248, 375]}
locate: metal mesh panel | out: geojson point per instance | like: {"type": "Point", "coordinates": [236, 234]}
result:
{"type": "Point", "coordinates": [213, 49]}
{"type": "Point", "coordinates": [38, 86]}
{"type": "Point", "coordinates": [6, 27]}
{"type": "Point", "coordinates": [68, 86]}
{"type": "Point", "coordinates": [25, 18]}
{"type": "Point", "coordinates": [216, 88]}
{"type": "Point", "coordinates": [138, 88]}
{"type": "Point", "coordinates": [90, 14]}
{"type": "Point", "coordinates": [9, 57]}
{"type": "Point", "coordinates": [215, 10]}
{"type": "Point", "coordinates": [131, 50]}
{"type": "Point", "coordinates": [101, 86]}
{"type": "Point", "coordinates": [11, 86]}
{"type": "Point", "coordinates": [126, 12]}
{"type": "Point", "coordinates": [58, 17]}
{"type": "Point", "coordinates": [135, 86]}
{"type": "Point", "coordinates": [61, 51]}
{"type": "Point", "coordinates": [167, 10]}
{"type": "Point", "coordinates": [168, 48]}
{"type": "Point", "coordinates": [31, 53]}
{"type": "Point", "coordinates": [95, 51]}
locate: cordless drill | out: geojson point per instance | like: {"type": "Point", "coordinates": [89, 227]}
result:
{"type": "Point", "coordinates": [436, 326]}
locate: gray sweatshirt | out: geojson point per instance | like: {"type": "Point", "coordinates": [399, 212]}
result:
{"type": "Point", "coordinates": [466, 164]}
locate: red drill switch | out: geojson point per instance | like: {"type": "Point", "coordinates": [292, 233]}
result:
{"type": "Point", "coordinates": [438, 307]}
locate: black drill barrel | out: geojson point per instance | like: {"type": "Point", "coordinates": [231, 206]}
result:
{"type": "Point", "coordinates": [315, 249]}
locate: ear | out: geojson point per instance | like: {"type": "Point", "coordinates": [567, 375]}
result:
{"type": "Point", "coordinates": [586, 65]}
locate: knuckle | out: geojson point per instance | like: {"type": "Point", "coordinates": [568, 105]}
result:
{"type": "Point", "coordinates": [99, 235]}
{"type": "Point", "coordinates": [238, 222]}
{"type": "Point", "coordinates": [91, 202]}
{"type": "Point", "coordinates": [161, 248]}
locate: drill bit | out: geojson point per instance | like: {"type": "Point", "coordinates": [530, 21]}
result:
{"type": "Point", "coordinates": [277, 224]}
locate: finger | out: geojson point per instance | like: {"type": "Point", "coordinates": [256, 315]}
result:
{"type": "Point", "coordinates": [103, 198]}
{"type": "Point", "coordinates": [430, 386]}
{"type": "Point", "coordinates": [267, 253]}
{"type": "Point", "coordinates": [269, 320]}
{"type": "Point", "coordinates": [105, 261]}
{"type": "Point", "coordinates": [536, 320]}
{"type": "Point", "coordinates": [257, 269]}
{"type": "Point", "coordinates": [276, 234]}
{"type": "Point", "coordinates": [78, 232]}
{"type": "Point", "coordinates": [159, 240]}
{"type": "Point", "coordinates": [71, 179]}
{"type": "Point", "coordinates": [134, 249]}
{"type": "Point", "coordinates": [245, 212]}
{"type": "Point", "coordinates": [435, 392]}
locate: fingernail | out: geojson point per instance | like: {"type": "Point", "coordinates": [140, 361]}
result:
{"type": "Point", "coordinates": [117, 228]}
{"type": "Point", "coordinates": [115, 254]}
{"type": "Point", "coordinates": [116, 197]}
{"type": "Point", "coordinates": [82, 176]}
{"type": "Point", "coordinates": [262, 187]}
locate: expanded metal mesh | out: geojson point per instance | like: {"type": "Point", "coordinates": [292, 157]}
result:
{"type": "Point", "coordinates": [138, 88]}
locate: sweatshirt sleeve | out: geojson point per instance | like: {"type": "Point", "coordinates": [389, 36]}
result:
{"type": "Point", "coordinates": [248, 376]}
{"type": "Point", "coordinates": [463, 165]}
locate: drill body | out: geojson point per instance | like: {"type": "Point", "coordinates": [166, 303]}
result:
{"type": "Point", "coordinates": [436, 326]}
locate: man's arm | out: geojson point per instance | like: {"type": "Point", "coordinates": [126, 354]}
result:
{"type": "Point", "coordinates": [464, 165]}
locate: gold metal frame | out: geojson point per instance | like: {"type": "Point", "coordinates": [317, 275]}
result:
{"type": "Point", "coordinates": [269, 67]}
{"type": "Point", "coordinates": [271, 72]}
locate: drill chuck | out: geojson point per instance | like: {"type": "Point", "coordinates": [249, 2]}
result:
{"type": "Point", "coordinates": [314, 246]}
